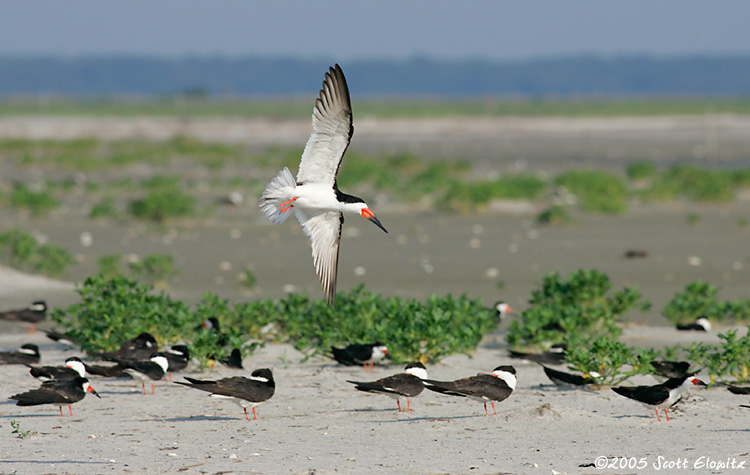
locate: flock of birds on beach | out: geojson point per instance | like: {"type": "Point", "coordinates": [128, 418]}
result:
{"type": "Point", "coordinates": [319, 206]}
{"type": "Point", "coordinates": [140, 359]}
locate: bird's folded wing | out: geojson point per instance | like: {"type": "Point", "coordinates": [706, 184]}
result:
{"type": "Point", "coordinates": [332, 130]}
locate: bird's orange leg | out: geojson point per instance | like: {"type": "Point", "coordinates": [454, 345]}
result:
{"type": "Point", "coordinates": [408, 403]}
{"type": "Point", "coordinates": [245, 409]}
{"type": "Point", "coordinates": [153, 388]}
{"type": "Point", "coordinates": [398, 401]}
{"type": "Point", "coordinates": [285, 206]}
{"type": "Point", "coordinates": [493, 407]}
{"type": "Point", "coordinates": [255, 417]}
{"type": "Point", "coordinates": [70, 408]}
{"type": "Point", "coordinates": [61, 414]}
{"type": "Point", "coordinates": [657, 415]}
{"type": "Point", "coordinates": [485, 409]}
{"type": "Point", "coordinates": [666, 414]}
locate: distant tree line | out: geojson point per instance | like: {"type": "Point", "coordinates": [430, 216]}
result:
{"type": "Point", "coordinates": [584, 75]}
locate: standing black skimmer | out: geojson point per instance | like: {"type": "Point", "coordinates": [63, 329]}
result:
{"type": "Point", "coordinates": [407, 384]}
{"type": "Point", "coordinates": [27, 354]}
{"type": "Point", "coordinates": [58, 392]}
{"type": "Point", "coordinates": [664, 370]}
{"type": "Point", "coordinates": [483, 387]}
{"type": "Point", "coordinates": [247, 392]}
{"type": "Point", "coordinates": [662, 395]}
{"type": "Point", "coordinates": [561, 378]}
{"type": "Point", "coordinates": [138, 348]}
{"type": "Point", "coordinates": [153, 369]}
{"type": "Point", "coordinates": [554, 356]}
{"type": "Point", "coordinates": [73, 368]}
{"type": "Point", "coordinates": [360, 354]}
{"type": "Point", "coordinates": [178, 358]}
{"type": "Point", "coordinates": [701, 325]}
{"type": "Point", "coordinates": [502, 309]}
{"type": "Point", "coordinates": [315, 197]}
{"type": "Point", "coordinates": [34, 313]}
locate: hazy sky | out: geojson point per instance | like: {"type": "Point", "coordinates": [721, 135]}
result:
{"type": "Point", "coordinates": [350, 29]}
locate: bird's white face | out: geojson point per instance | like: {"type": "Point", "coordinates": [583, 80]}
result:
{"type": "Point", "coordinates": [38, 307]}
{"type": "Point", "coordinates": [509, 378]}
{"type": "Point", "coordinates": [420, 373]}
{"type": "Point", "coordinates": [27, 351]}
{"type": "Point", "coordinates": [161, 361]}
{"type": "Point", "coordinates": [78, 367]}
{"type": "Point", "coordinates": [503, 308]}
{"type": "Point", "coordinates": [258, 378]}
{"type": "Point", "coordinates": [704, 323]}
{"type": "Point", "coordinates": [691, 382]}
{"type": "Point", "coordinates": [379, 352]}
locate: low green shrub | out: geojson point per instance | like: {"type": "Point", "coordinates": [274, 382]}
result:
{"type": "Point", "coordinates": [38, 203]}
{"type": "Point", "coordinates": [154, 269]}
{"type": "Point", "coordinates": [159, 204]}
{"type": "Point", "coordinates": [20, 250]}
{"type": "Point", "coordinates": [614, 361]}
{"type": "Point", "coordinates": [597, 191]}
{"type": "Point", "coordinates": [555, 215]}
{"type": "Point", "coordinates": [581, 305]}
{"type": "Point", "coordinates": [730, 358]}
{"type": "Point", "coordinates": [640, 170]}
{"type": "Point", "coordinates": [699, 300]}
{"type": "Point", "coordinates": [105, 208]}
{"type": "Point", "coordinates": [113, 310]}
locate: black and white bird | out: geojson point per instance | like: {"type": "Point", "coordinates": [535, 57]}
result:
{"type": "Point", "coordinates": [234, 359]}
{"type": "Point", "coordinates": [178, 358]}
{"type": "Point", "coordinates": [73, 368]}
{"type": "Point", "coordinates": [27, 354]}
{"type": "Point", "coordinates": [247, 392]}
{"type": "Point", "coordinates": [561, 378]}
{"type": "Point", "coordinates": [403, 385]}
{"type": "Point", "coordinates": [483, 387]}
{"type": "Point", "coordinates": [153, 369]}
{"type": "Point", "coordinates": [139, 348]}
{"type": "Point", "coordinates": [663, 395]}
{"type": "Point", "coordinates": [664, 370]}
{"type": "Point", "coordinates": [314, 196]}
{"type": "Point", "coordinates": [502, 309]}
{"type": "Point", "coordinates": [554, 356]}
{"type": "Point", "coordinates": [34, 313]}
{"type": "Point", "coordinates": [701, 325]}
{"type": "Point", "coordinates": [58, 392]}
{"type": "Point", "coordinates": [360, 354]}
{"type": "Point", "coordinates": [61, 338]}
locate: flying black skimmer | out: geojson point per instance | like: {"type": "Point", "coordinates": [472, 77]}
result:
{"type": "Point", "coordinates": [62, 338]}
{"type": "Point", "coordinates": [58, 392]}
{"type": "Point", "coordinates": [664, 370]}
{"type": "Point", "coordinates": [360, 354]}
{"type": "Point", "coordinates": [502, 309]}
{"type": "Point", "coordinates": [554, 356]}
{"type": "Point", "coordinates": [153, 369]}
{"type": "Point", "coordinates": [73, 368]}
{"type": "Point", "coordinates": [483, 387]}
{"type": "Point", "coordinates": [663, 395]}
{"type": "Point", "coordinates": [27, 354]}
{"type": "Point", "coordinates": [407, 384]}
{"type": "Point", "coordinates": [34, 313]}
{"type": "Point", "coordinates": [561, 378]}
{"type": "Point", "coordinates": [247, 392]}
{"type": "Point", "coordinates": [314, 196]}
{"type": "Point", "coordinates": [139, 348]}
{"type": "Point", "coordinates": [701, 325]}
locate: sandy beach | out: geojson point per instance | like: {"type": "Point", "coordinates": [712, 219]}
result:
{"type": "Point", "coordinates": [317, 423]}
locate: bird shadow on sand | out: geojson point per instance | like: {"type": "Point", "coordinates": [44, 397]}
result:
{"type": "Point", "coordinates": [198, 419]}
{"type": "Point", "coordinates": [432, 419]}
{"type": "Point", "coordinates": [24, 416]}
{"type": "Point", "coordinates": [55, 462]}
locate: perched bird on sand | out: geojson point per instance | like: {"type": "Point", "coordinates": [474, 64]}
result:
{"type": "Point", "coordinates": [33, 314]}
{"type": "Point", "coordinates": [403, 385]}
{"type": "Point", "coordinates": [663, 395]}
{"type": "Point", "coordinates": [27, 354]}
{"type": "Point", "coordinates": [360, 354]}
{"type": "Point", "coordinates": [58, 392]}
{"type": "Point", "coordinates": [700, 325]}
{"type": "Point", "coordinates": [483, 387]}
{"type": "Point", "coordinates": [314, 196]}
{"type": "Point", "coordinates": [73, 368]}
{"type": "Point", "coordinates": [247, 392]}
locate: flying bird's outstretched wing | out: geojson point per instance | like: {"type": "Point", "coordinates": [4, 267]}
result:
{"type": "Point", "coordinates": [324, 230]}
{"type": "Point", "coordinates": [332, 130]}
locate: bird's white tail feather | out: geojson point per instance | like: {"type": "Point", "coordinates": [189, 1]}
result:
{"type": "Point", "coordinates": [280, 190]}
